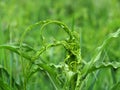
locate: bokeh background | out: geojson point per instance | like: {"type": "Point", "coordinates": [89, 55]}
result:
{"type": "Point", "coordinates": [92, 19]}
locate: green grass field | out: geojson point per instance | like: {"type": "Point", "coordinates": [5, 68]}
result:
{"type": "Point", "coordinates": [59, 45]}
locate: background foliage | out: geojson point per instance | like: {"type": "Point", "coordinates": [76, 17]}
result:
{"type": "Point", "coordinates": [93, 20]}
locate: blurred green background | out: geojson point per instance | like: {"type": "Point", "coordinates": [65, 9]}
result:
{"type": "Point", "coordinates": [92, 19]}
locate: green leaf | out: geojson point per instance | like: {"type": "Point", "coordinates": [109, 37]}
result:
{"type": "Point", "coordinates": [16, 49]}
{"type": "Point", "coordinates": [4, 73]}
{"type": "Point", "coordinates": [99, 50]}
{"type": "Point", "coordinates": [4, 85]}
{"type": "Point", "coordinates": [104, 45]}
{"type": "Point", "coordinates": [99, 65]}
{"type": "Point", "coordinates": [52, 74]}
{"type": "Point", "coordinates": [116, 86]}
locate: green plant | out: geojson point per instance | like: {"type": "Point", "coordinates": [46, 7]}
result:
{"type": "Point", "coordinates": [69, 74]}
